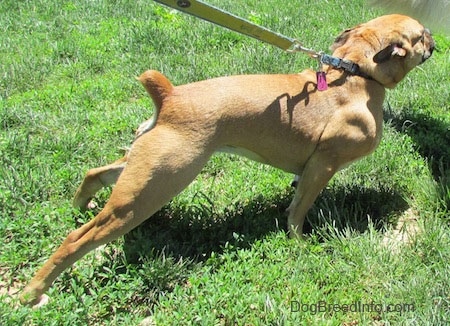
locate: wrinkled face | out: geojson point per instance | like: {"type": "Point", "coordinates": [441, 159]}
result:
{"type": "Point", "coordinates": [386, 48]}
{"type": "Point", "coordinates": [426, 43]}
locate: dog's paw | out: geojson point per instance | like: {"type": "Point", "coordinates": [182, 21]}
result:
{"type": "Point", "coordinates": [43, 300]}
{"type": "Point", "coordinates": [83, 204]}
{"type": "Point", "coordinates": [31, 298]}
{"type": "Point", "coordinates": [91, 205]}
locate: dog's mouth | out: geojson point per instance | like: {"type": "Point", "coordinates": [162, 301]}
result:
{"type": "Point", "coordinates": [429, 44]}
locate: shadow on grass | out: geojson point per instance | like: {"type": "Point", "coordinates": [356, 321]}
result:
{"type": "Point", "coordinates": [354, 208]}
{"type": "Point", "coordinates": [196, 232]}
{"type": "Point", "coordinates": [432, 137]}
{"type": "Point", "coordinates": [178, 240]}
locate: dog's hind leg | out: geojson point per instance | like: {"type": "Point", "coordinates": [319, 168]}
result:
{"type": "Point", "coordinates": [161, 164]}
{"type": "Point", "coordinates": [95, 179]}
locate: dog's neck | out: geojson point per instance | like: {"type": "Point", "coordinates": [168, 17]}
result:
{"type": "Point", "coordinates": [344, 64]}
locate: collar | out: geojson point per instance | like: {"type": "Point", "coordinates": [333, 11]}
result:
{"type": "Point", "coordinates": [344, 64]}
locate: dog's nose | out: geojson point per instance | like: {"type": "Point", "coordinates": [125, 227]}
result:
{"type": "Point", "coordinates": [431, 40]}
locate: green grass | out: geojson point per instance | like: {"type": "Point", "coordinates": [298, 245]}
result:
{"type": "Point", "coordinates": [217, 254]}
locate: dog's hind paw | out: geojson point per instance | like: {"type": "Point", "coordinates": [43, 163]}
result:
{"type": "Point", "coordinates": [43, 300]}
{"type": "Point", "coordinates": [84, 205]}
{"type": "Point", "coordinates": [91, 205]}
{"type": "Point", "coordinates": [32, 299]}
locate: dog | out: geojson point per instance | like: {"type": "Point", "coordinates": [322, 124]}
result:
{"type": "Point", "coordinates": [281, 120]}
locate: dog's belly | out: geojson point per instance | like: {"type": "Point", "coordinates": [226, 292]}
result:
{"type": "Point", "coordinates": [243, 152]}
{"type": "Point", "coordinates": [278, 161]}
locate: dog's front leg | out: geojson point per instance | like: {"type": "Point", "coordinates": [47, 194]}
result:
{"type": "Point", "coordinates": [316, 174]}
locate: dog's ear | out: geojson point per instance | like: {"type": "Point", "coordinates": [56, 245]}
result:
{"type": "Point", "coordinates": [390, 51]}
{"type": "Point", "coordinates": [341, 39]}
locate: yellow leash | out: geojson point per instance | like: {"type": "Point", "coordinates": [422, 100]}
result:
{"type": "Point", "coordinates": [225, 19]}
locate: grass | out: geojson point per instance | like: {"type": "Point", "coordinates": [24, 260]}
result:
{"type": "Point", "coordinates": [217, 253]}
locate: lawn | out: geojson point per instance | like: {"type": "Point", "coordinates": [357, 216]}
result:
{"type": "Point", "coordinates": [217, 254]}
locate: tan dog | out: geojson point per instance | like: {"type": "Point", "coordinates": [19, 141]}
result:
{"type": "Point", "coordinates": [281, 120]}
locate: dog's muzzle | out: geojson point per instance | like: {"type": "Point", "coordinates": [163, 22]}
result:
{"type": "Point", "coordinates": [429, 44]}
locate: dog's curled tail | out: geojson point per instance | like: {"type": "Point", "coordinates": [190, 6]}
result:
{"type": "Point", "coordinates": [159, 87]}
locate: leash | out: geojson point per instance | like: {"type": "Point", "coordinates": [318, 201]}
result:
{"type": "Point", "coordinates": [225, 19]}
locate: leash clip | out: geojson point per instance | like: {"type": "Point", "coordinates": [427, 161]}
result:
{"type": "Point", "coordinates": [298, 47]}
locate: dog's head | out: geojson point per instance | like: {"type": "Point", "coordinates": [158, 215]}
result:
{"type": "Point", "coordinates": [386, 48]}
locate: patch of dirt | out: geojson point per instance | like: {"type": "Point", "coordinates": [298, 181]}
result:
{"type": "Point", "coordinates": [405, 231]}
{"type": "Point", "coordinates": [9, 287]}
